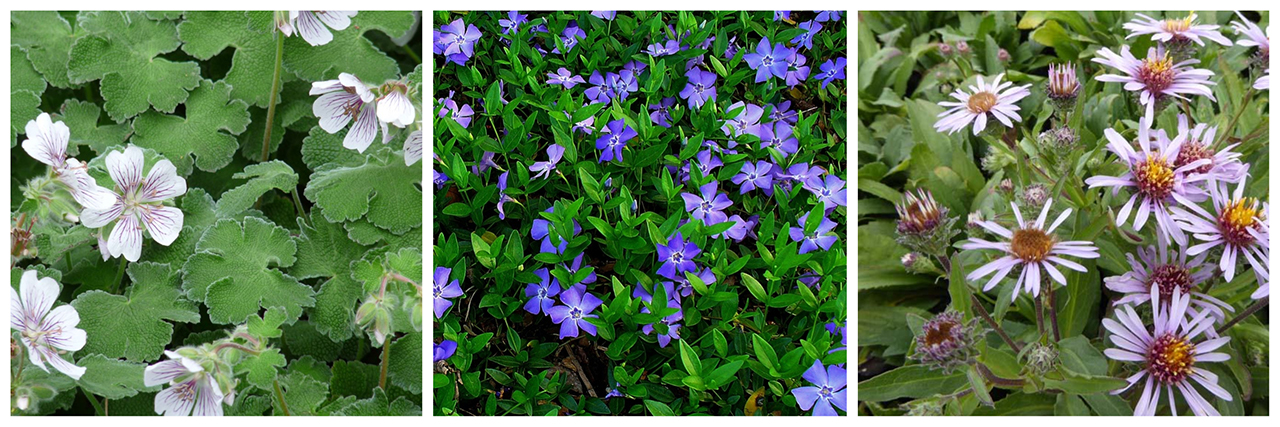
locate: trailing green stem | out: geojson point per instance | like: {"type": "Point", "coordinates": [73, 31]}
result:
{"type": "Point", "coordinates": [271, 105]}
{"type": "Point", "coordinates": [297, 205]}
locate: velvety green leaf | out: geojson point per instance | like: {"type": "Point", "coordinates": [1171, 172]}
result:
{"type": "Point", "coordinates": [135, 326]}
{"type": "Point", "coordinates": [122, 49]}
{"type": "Point", "coordinates": [231, 271]}
{"type": "Point", "coordinates": [206, 133]}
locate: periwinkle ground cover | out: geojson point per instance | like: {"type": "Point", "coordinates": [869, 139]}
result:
{"type": "Point", "coordinates": [196, 228]}
{"type": "Point", "coordinates": [639, 213]}
{"type": "Point", "coordinates": [1063, 213]}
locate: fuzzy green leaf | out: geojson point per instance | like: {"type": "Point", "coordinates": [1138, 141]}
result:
{"type": "Point", "coordinates": [82, 119]}
{"type": "Point", "coordinates": [321, 148]}
{"type": "Point", "coordinates": [405, 369]}
{"type": "Point", "coordinates": [134, 326]}
{"type": "Point", "coordinates": [268, 325]}
{"type": "Point", "coordinates": [251, 34]}
{"type": "Point", "coordinates": [263, 368]}
{"type": "Point", "coordinates": [231, 271]}
{"type": "Point", "coordinates": [46, 39]}
{"type": "Point", "coordinates": [112, 378]}
{"type": "Point", "coordinates": [383, 187]}
{"type": "Point", "coordinates": [210, 112]}
{"type": "Point", "coordinates": [122, 49]}
{"type": "Point", "coordinates": [262, 177]}
{"type": "Point", "coordinates": [378, 406]}
{"type": "Point", "coordinates": [324, 250]}
{"type": "Point", "coordinates": [349, 51]}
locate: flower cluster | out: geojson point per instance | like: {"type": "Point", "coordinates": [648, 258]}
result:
{"type": "Point", "coordinates": [347, 100]}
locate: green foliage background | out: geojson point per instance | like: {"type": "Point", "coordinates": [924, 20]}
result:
{"type": "Point", "coordinates": [902, 76]}
{"type": "Point", "coordinates": [193, 87]}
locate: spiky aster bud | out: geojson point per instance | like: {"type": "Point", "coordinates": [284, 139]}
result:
{"type": "Point", "coordinates": [1005, 186]}
{"type": "Point", "coordinates": [923, 225]}
{"type": "Point", "coordinates": [1059, 139]}
{"type": "Point", "coordinates": [1062, 84]}
{"type": "Point", "coordinates": [909, 259]}
{"type": "Point", "coordinates": [946, 341]}
{"type": "Point", "coordinates": [1034, 196]}
{"type": "Point", "coordinates": [996, 160]}
{"type": "Point", "coordinates": [1039, 359]}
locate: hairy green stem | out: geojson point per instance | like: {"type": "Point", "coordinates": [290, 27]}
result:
{"type": "Point", "coordinates": [1246, 313]}
{"type": "Point", "coordinates": [297, 205]}
{"type": "Point", "coordinates": [1053, 316]}
{"type": "Point", "coordinates": [97, 407]}
{"type": "Point", "coordinates": [386, 361]}
{"type": "Point", "coordinates": [119, 282]}
{"type": "Point", "coordinates": [991, 376]}
{"type": "Point", "coordinates": [271, 105]}
{"type": "Point", "coordinates": [982, 311]}
{"type": "Point", "coordinates": [235, 346]}
{"type": "Point", "coordinates": [411, 53]}
{"type": "Point", "coordinates": [1231, 127]}
{"type": "Point", "coordinates": [1039, 314]}
{"type": "Point", "coordinates": [280, 395]}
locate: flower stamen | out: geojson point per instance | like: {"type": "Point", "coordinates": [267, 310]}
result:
{"type": "Point", "coordinates": [982, 102]}
{"type": "Point", "coordinates": [1171, 359]}
{"type": "Point", "coordinates": [1031, 245]}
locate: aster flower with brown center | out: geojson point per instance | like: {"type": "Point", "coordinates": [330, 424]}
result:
{"type": "Point", "coordinates": [946, 341]}
{"type": "Point", "coordinates": [1156, 77]}
{"type": "Point", "coordinates": [1174, 30]}
{"type": "Point", "coordinates": [1157, 182]}
{"type": "Point", "coordinates": [1239, 225]}
{"type": "Point", "coordinates": [995, 99]}
{"type": "Point", "coordinates": [1033, 247]}
{"type": "Point", "coordinates": [1224, 165]}
{"type": "Point", "coordinates": [1167, 271]}
{"type": "Point", "coordinates": [1168, 354]}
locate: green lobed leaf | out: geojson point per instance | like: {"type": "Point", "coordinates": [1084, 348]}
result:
{"type": "Point", "coordinates": [262, 177]}
{"type": "Point", "coordinates": [325, 250]}
{"type": "Point", "coordinates": [112, 378]}
{"type": "Point", "coordinates": [122, 49]}
{"type": "Point", "coordinates": [378, 405]}
{"type": "Point", "coordinates": [263, 369]}
{"type": "Point", "coordinates": [134, 326]}
{"type": "Point", "coordinates": [405, 369]}
{"type": "Point", "coordinates": [252, 35]}
{"type": "Point", "coordinates": [206, 133]}
{"type": "Point", "coordinates": [349, 51]}
{"type": "Point", "coordinates": [46, 38]}
{"type": "Point", "coordinates": [81, 119]}
{"type": "Point", "coordinates": [382, 188]}
{"type": "Point", "coordinates": [231, 271]}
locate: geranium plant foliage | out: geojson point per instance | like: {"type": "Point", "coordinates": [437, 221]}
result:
{"type": "Point", "coordinates": [639, 213]}
{"type": "Point", "coordinates": [1063, 213]}
{"type": "Point", "coordinates": [196, 228]}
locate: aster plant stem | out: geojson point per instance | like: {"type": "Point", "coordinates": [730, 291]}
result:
{"type": "Point", "coordinates": [982, 311]}
{"type": "Point", "coordinates": [1053, 316]}
{"type": "Point", "coordinates": [271, 104]}
{"type": "Point", "coordinates": [1039, 314]}
{"type": "Point", "coordinates": [1248, 96]}
{"type": "Point", "coordinates": [995, 379]}
{"type": "Point", "coordinates": [1262, 303]}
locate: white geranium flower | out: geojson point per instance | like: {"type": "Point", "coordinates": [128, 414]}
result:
{"type": "Point", "coordinates": [341, 101]}
{"type": "Point", "coordinates": [138, 203]}
{"type": "Point", "coordinates": [311, 24]}
{"type": "Point", "coordinates": [413, 148]}
{"type": "Point", "coordinates": [394, 107]}
{"type": "Point", "coordinates": [190, 387]}
{"type": "Point", "coordinates": [47, 143]}
{"type": "Point", "coordinates": [45, 333]}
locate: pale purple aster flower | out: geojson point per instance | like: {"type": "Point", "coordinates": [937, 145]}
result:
{"type": "Point", "coordinates": [661, 49]}
{"type": "Point", "coordinates": [673, 327]}
{"type": "Point", "coordinates": [502, 195]}
{"type": "Point", "coordinates": [599, 91]}
{"type": "Point", "coordinates": [1238, 225]}
{"type": "Point", "coordinates": [45, 333]}
{"type": "Point", "coordinates": [443, 351]}
{"type": "Point", "coordinates": [459, 40]}
{"type": "Point", "coordinates": [753, 176]}
{"type": "Point", "coordinates": [677, 257]}
{"type": "Point", "coordinates": [781, 14]}
{"type": "Point", "coordinates": [607, 15]}
{"type": "Point", "coordinates": [573, 315]}
{"type": "Point", "coordinates": [983, 100]}
{"type": "Point", "coordinates": [571, 36]}
{"type": "Point", "coordinates": [47, 143]}
{"type": "Point", "coordinates": [565, 78]}
{"type": "Point", "coordinates": [746, 122]}
{"type": "Point", "coordinates": [830, 71]}
{"type": "Point", "coordinates": [1167, 354]}
{"type": "Point", "coordinates": [778, 135]}
{"type": "Point", "coordinates": [443, 289]}
{"type": "Point", "coordinates": [1174, 30]}
{"type": "Point", "coordinates": [635, 67]}
{"type": "Point", "coordinates": [661, 112]}
{"type": "Point", "coordinates": [346, 99]}
{"type": "Point", "coordinates": [139, 204]}
{"type": "Point", "coordinates": [577, 265]}
{"type": "Point", "coordinates": [1033, 247]}
{"type": "Point", "coordinates": [805, 39]}
{"type": "Point", "coordinates": [1264, 82]}
{"type": "Point", "coordinates": [781, 112]}
{"type": "Point", "coordinates": [1253, 35]}
{"type": "Point", "coordinates": [190, 387]}
{"type": "Point", "coordinates": [797, 72]}
{"type": "Point", "coordinates": [511, 25]}
{"type": "Point", "coordinates": [541, 230]}
{"type": "Point", "coordinates": [769, 62]}
{"type": "Point", "coordinates": [554, 153]}
{"type": "Point", "coordinates": [1155, 77]}
{"type": "Point", "coordinates": [311, 24]}
{"type": "Point", "coordinates": [828, 15]}
{"type": "Point", "coordinates": [621, 84]}
{"type": "Point", "coordinates": [542, 294]}
{"type": "Point", "coordinates": [822, 238]}
{"type": "Point", "coordinates": [1157, 184]}
{"type": "Point", "coordinates": [709, 205]}
{"type": "Point", "coordinates": [828, 389]}
{"type": "Point", "coordinates": [700, 89]}
{"type": "Point", "coordinates": [830, 191]}
{"type": "Point", "coordinates": [1166, 271]}
{"type": "Point", "coordinates": [612, 139]}
{"type": "Point", "coordinates": [1224, 166]}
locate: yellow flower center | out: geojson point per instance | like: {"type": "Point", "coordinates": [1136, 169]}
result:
{"type": "Point", "coordinates": [1156, 73]}
{"type": "Point", "coordinates": [1154, 177]}
{"type": "Point", "coordinates": [1178, 25]}
{"type": "Point", "coordinates": [1236, 219]}
{"type": "Point", "coordinates": [1171, 359]}
{"type": "Point", "coordinates": [1031, 245]}
{"type": "Point", "coordinates": [982, 102]}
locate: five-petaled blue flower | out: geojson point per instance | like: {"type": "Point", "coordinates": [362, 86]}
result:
{"type": "Point", "coordinates": [599, 91]}
{"type": "Point", "coordinates": [746, 122]}
{"type": "Point", "coordinates": [511, 25]}
{"type": "Point", "coordinates": [806, 39]}
{"type": "Point", "coordinates": [661, 49]}
{"type": "Point", "coordinates": [443, 351]}
{"type": "Point", "coordinates": [577, 265]}
{"type": "Point", "coordinates": [830, 191]}
{"type": "Point", "coordinates": [753, 176]}
{"type": "Point", "coordinates": [604, 14]}
{"type": "Point", "coordinates": [443, 289]}
{"type": "Point", "coordinates": [621, 84]}
{"type": "Point", "coordinates": [819, 239]}
{"type": "Point", "coordinates": [542, 294]}
{"type": "Point", "coordinates": [709, 206]}
{"type": "Point", "coordinates": [570, 37]}
{"type": "Point", "coordinates": [541, 230]}
{"type": "Point", "coordinates": [502, 195]}
{"type": "Point", "coordinates": [572, 316]}
{"type": "Point", "coordinates": [673, 328]}
{"type": "Point", "coordinates": [830, 70]}
{"type": "Point", "coordinates": [612, 139]}
{"type": "Point", "coordinates": [700, 89]}
{"type": "Point", "coordinates": [457, 41]}
{"type": "Point", "coordinates": [828, 389]}
{"type": "Point", "coordinates": [797, 72]}
{"type": "Point", "coordinates": [564, 78]}
{"type": "Point", "coordinates": [828, 15]}
{"type": "Point", "coordinates": [677, 257]}
{"type": "Point", "coordinates": [660, 113]}
{"type": "Point", "coordinates": [779, 136]}
{"type": "Point", "coordinates": [554, 153]}
{"type": "Point", "coordinates": [769, 62]}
